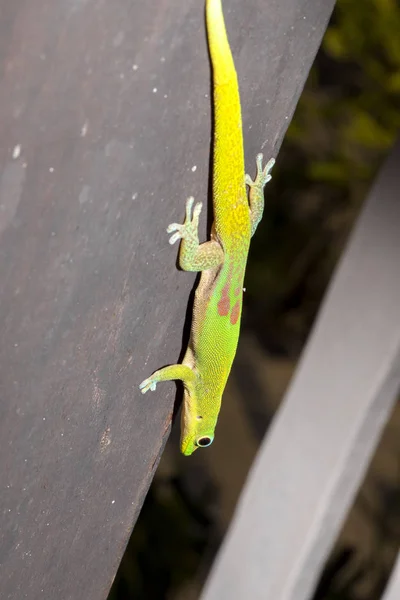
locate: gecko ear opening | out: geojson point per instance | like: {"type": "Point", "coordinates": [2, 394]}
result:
{"type": "Point", "coordinates": [205, 441]}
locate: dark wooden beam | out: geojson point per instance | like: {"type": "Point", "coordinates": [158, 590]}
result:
{"type": "Point", "coordinates": [105, 130]}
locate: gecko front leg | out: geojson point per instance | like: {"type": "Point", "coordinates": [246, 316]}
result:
{"type": "Point", "coordinates": [171, 373]}
{"type": "Point", "coordinates": [194, 256]}
{"type": "Point", "coordinates": [256, 195]}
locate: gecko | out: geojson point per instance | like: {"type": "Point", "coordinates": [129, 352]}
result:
{"type": "Point", "coordinates": [222, 260]}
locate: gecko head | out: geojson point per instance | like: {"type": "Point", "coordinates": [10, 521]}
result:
{"type": "Point", "coordinates": [197, 432]}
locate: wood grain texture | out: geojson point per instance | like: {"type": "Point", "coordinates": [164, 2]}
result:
{"type": "Point", "coordinates": [104, 112]}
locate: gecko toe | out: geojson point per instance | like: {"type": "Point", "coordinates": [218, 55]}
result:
{"type": "Point", "coordinates": [146, 385]}
{"type": "Point", "coordinates": [189, 205]}
{"type": "Point", "coordinates": [266, 172]}
{"type": "Point", "coordinates": [197, 210]}
{"type": "Point", "coordinates": [174, 238]}
{"type": "Point", "coordinates": [269, 165]}
{"type": "Point", "coordinates": [143, 387]}
{"type": "Point", "coordinates": [173, 227]}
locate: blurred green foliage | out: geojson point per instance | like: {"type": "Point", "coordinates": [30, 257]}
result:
{"type": "Point", "coordinates": [346, 121]}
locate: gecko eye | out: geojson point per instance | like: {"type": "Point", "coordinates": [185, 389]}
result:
{"type": "Point", "coordinates": [203, 442]}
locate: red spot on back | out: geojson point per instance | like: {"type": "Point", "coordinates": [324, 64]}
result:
{"type": "Point", "coordinates": [235, 313]}
{"type": "Point", "coordinates": [224, 304]}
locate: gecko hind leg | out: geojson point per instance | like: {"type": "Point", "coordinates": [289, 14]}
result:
{"type": "Point", "coordinates": [256, 194]}
{"type": "Point", "coordinates": [194, 256]}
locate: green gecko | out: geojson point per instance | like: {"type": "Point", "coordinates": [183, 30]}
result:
{"type": "Point", "coordinates": [222, 260]}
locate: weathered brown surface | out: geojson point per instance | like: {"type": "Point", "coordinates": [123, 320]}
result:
{"type": "Point", "coordinates": [104, 112]}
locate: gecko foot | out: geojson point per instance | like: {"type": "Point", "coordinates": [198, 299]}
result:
{"type": "Point", "coordinates": [189, 228]}
{"type": "Point", "coordinates": [263, 175]}
{"type": "Point", "coordinates": [148, 384]}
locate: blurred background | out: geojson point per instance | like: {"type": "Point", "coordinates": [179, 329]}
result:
{"type": "Point", "coordinates": [347, 119]}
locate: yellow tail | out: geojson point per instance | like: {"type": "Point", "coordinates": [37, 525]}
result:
{"type": "Point", "coordinates": [223, 66]}
{"type": "Point", "coordinates": [231, 213]}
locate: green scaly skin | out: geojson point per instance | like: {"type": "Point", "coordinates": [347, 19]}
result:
{"type": "Point", "coordinates": [222, 260]}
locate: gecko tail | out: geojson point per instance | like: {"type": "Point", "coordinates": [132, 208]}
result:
{"type": "Point", "coordinates": [221, 57]}
{"type": "Point", "coordinates": [231, 208]}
